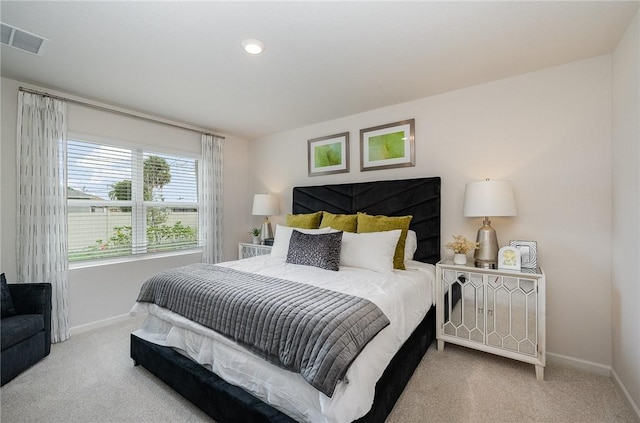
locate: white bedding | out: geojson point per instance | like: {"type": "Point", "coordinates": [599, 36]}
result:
{"type": "Point", "coordinates": [404, 297]}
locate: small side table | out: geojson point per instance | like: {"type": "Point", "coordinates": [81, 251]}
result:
{"type": "Point", "coordinates": [246, 250]}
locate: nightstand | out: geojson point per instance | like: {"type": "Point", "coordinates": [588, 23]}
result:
{"type": "Point", "coordinates": [493, 310]}
{"type": "Point", "coordinates": [246, 250]}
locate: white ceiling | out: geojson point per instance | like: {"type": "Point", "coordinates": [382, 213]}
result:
{"type": "Point", "coordinates": [323, 60]}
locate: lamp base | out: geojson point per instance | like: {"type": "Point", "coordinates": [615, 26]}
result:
{"type": "Point", "coordinates": [486, 256]}
{"type": "Point", "coordinates": [486, 264]}
{"type": "Point", "coordinates": [266, 232]}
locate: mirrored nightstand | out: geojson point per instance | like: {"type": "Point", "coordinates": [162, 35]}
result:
{"type": "Point", "coordinates": [493, 310]}
{"type": "Point", "coordinates": [246, 250]}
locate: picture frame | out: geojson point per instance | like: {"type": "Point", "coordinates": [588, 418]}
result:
{"type": "Point", "coordinates": [528, 253]}
{"type": "Point", "coordinates": [328, 155]}
{"type": "Point", "coordinates": [388, 146]}
{"type": "Point", "coordinates": [509, 258]}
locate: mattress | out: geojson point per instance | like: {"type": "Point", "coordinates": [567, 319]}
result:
{"type": "Point", "coordinates": [403, 296]}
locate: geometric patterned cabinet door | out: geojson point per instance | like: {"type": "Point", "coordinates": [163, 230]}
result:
{"type": "Point", "coordinates": [493, 310]}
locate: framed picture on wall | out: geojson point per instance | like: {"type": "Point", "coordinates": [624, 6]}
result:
{"type": "Point", "coordinates": [328, 155]}
{"type": "Point", "coordinates": [388, 146]}
{"type": "Point", "coordinates": [528, 253]}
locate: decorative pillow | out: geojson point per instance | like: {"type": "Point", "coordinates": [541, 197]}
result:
{"type": "Point", "coordinates": [7, 303]}
{"type": "Point", "coordinates": [367, 223]}
{"type": "Point", "coordinates": [283, 235]}
{"type": "Point", "coordinates": [373, 250]}
{"type": "Point", "coordinates": [411, 245]}
{"type": "Point", "coordinates": [342, 222]}
{"type": "Point", "coordinates": [320, 250]}
{"type": "Point", "coordinates": [304, 221]}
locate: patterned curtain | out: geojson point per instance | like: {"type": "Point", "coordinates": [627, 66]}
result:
{"type": "Point", "coordinates": [210, 198]}
{"type": "Point", "coordinates": [42, 205]}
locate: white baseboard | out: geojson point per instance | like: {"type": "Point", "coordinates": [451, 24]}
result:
{"type": "Point", "coordinates": [577, 363]}
{"type": "Point", "coordinates": [625, 394]}
{"type": "Point", "coordinates": [601, 369]}
{"type": "Point", "coordinates": [99, 324]}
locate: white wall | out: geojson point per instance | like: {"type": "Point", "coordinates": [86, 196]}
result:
{"type": "Point", "coordinates": [626, 211]}
{"type": "Point", "coordinates": [549, 132]}
{"type": "Point", "coordinates": [102, 292]}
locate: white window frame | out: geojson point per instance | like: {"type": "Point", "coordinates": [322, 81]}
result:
{"type": "Point", "coordinates": [138, 205]}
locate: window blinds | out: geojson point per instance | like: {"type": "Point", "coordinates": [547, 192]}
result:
{"type": "Point", "coordinates": [125, 201]}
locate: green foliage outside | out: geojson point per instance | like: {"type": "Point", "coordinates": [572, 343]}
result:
{"type": "Point", "coordinates": [156, 174]}
{"type": "Point", "coordinates": [328, 155]}
{"type": "Point", "coordinates": [178, 233]}
{"type": "Point", "coordinates": [122, 191]}
{"type": "Point", "coordinates": [388, 146]}
{"type": "Point", "coordinates": [159, 238]}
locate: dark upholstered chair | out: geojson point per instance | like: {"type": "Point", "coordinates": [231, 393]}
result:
{"type": "Point", "coordinates": [25, 329]}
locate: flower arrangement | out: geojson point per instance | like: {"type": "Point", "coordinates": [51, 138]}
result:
{"type": "Point", "coordinates": [254, 232]}
{"type": "Point", "coordinates": [461, 245]}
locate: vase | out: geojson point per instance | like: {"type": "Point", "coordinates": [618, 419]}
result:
{"type": "Point", "coordinates": [459, 258]}
{"type": "Point", "coordinates": [256, 239]}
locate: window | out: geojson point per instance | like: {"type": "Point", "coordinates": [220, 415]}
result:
{"type": "Point", "coordinates": [127, 201]}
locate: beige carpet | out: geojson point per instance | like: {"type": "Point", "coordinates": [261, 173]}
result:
{"type": "Point", "coordinates": [90, 378]}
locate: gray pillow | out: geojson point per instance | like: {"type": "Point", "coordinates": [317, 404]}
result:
{"type": "Point", "coordinates": [319, 250]}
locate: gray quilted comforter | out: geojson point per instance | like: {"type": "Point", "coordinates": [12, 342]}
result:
{"type": "Point", "coordinates": [313, 331]}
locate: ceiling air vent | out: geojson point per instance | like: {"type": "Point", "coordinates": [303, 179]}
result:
{"type": "Point", "coordinates": [22, 40]}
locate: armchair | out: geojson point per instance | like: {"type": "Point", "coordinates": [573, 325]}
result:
{"type": "Point", "coordinates": [25, 329]}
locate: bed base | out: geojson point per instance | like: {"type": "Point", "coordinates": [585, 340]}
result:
{"type": "Point", "coordinates": [227, 403]}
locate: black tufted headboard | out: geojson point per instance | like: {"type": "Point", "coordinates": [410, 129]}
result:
{"type": "Point", "coordinates": [417, 197]}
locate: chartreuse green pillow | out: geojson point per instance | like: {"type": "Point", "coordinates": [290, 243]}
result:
{"type": "Point", "coordinates": [369, 223]}
{"type": "Point", "coordinates": [304, 221]}
{"type": "Point", "coordinates": [341, 222]}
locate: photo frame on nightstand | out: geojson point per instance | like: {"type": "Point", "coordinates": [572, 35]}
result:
{"type": "Point", "coordinates": [509, 258]}
{"type": "Point", "coordinates": [528, 253]}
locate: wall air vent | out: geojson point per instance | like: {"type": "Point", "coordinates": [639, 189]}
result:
{"type": "Point", "coordinates": [22, 40]}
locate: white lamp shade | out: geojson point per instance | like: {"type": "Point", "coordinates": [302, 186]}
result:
{"type": "Point", "coordinates": [489, 198]}
{"type": "Point", "coordinates": [265, 205]}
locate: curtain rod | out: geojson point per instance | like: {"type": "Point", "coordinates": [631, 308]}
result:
{"type": "Point", "coordinates": [124, 113]}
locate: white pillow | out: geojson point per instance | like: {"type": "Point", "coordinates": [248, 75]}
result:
{"type": "Point", "coordinates": [369, 250]}
{"type": "Point", "coordinates": [411, 245]}
{"type": "Point", "coordinates": [283, 235]}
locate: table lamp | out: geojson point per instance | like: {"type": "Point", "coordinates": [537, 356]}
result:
{"type": "Point", "coordinates": [484, 199]}
{"type": "Point", "coordinates": [265, 205]}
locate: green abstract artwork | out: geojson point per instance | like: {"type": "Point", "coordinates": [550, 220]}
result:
{"type": "Point", "coordinates": [387, 146]}
{"type": "Point", "coordinates": [328, 155]}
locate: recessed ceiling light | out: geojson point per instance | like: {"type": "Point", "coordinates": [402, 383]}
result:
{"type": "Point", "coordinates": [253, 46]}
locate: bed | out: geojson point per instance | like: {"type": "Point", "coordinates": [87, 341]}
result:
{"type": "Point", "coordinates": [226, 402]}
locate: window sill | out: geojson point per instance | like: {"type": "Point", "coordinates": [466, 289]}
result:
{"type": "Point", "coordinates": [128, 259]}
